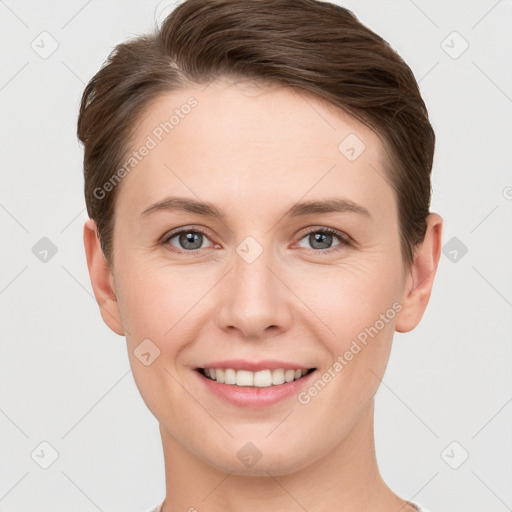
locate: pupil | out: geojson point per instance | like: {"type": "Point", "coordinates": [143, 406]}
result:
{"type": "Point", "coordinates": [188, 240]}
{"type": "Point", "coordinates": [321, 239]}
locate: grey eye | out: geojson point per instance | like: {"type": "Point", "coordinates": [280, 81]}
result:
{"type": "Point", "coordinates": [321, 239]}
{"type": "Point", "coordinates": [188, 240]}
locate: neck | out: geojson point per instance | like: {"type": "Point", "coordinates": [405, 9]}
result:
{"type": "Point", "coordinates": [345, 479]}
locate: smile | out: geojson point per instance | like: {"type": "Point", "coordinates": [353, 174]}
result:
{"type": "Point", "coordinates": [258, 379]}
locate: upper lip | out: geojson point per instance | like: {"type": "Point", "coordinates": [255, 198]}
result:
{"type": "Point", "coordinates": [255, 366]}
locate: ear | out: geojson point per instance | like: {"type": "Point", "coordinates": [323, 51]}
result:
{"type": "Point", "coordinates": [421, 276]}
{"type": "Point", "coordinates": [101, 279]}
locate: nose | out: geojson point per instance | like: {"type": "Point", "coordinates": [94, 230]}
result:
{"type": "Point", "coordinates": [253, 301]}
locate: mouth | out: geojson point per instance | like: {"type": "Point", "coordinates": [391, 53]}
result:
{"type": "Point", "coordinates": [265, 378]}
{"type": "Point", "coordinates": [254, 384]}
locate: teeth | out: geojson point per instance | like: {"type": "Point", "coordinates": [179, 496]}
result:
{"type": "Point", "coordinates": [244, 378]}
{"type": "Point", "coordinates": [259, 379]}
{"type": "Point", "coordinates": [289, 375]}
{"type": "Point", "coordinates": [278, 377]}
{"type": "Point", "coordinates": [230, 376]}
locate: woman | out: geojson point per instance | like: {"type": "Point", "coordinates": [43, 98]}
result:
{"type": "Point", "coordinates": [257, 177]}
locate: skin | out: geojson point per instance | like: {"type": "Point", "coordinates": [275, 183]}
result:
{"type": "Point", "coordinates": [254, 152]}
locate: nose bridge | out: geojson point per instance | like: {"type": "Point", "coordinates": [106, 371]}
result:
{"type": "Point", "coordinates": [251, 266]}
{"type": "Point", "coordinates": [253, 300]}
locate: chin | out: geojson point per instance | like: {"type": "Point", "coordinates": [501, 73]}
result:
{"type": "Point", "coordinates": [252, 461]}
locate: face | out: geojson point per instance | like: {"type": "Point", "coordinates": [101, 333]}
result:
{"type": "Point", "coordinates": [259, 281]}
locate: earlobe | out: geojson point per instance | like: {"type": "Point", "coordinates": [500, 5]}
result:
{"type": "Point", "coordinates": [101, 279]}
{"type": "Point", "coordinates": [420, 280]}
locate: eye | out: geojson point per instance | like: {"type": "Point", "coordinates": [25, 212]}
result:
{"type": "Point", "coordinates": [321, 239]}
{"type": "Point", "coordinates": [186, 239]}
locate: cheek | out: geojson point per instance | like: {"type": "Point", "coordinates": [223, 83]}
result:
{"type": "Point", "coordinates": [350, 299]}
{"type": "Point", "coordinates": [166, 302]}
{"type": "Point", "coordinates": [360, 306]}
{"type": "Point", "coordinates": [158, 309]}
{"type": "Point", "coordinates": [158, 302]}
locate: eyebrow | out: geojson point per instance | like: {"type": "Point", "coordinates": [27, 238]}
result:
{"type": "Point", "coordinates": [327, 205]}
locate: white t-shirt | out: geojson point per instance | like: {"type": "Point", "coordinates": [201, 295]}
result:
{"type": "Point", "coordinates": [158, 508]}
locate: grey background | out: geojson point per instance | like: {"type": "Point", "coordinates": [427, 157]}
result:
{"type": "Point", "coordinates": [65, 377]}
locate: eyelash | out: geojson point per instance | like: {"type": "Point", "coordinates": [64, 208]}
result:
{"type": "Point", "coordinates": [345, 240]}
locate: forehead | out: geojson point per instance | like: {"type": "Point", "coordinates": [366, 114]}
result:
{"type": "Point", "coordinates": [242, 143]}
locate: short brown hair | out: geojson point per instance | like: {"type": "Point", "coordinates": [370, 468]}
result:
{"type": "Point", "coordinates": [309, 45]}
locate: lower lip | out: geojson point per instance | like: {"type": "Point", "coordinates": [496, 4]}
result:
{"type": "Point", "coordinates": [246, 396]}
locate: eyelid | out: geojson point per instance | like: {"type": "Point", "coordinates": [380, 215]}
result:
{"type": "Point", "coordinates": [345, 239]}
{"type": "Point", "coordinates": [173, 232]}
{"type": "Point", "coordinates": [184, 229]}
{"type": "Point", "coordinates": [325, 229]}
